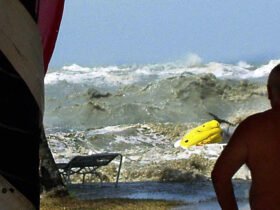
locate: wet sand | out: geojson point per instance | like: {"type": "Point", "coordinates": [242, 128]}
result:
{"type": "Point", "coordinates": [195, 195]}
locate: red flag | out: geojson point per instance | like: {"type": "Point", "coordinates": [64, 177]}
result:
{"type": "Point", "coordinates": [50, 14]}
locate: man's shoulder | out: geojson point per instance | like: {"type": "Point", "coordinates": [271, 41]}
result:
{"type": "Point", "coordinates": [259, 115]}
{"type": "Point", "coordinates": [256, 118]}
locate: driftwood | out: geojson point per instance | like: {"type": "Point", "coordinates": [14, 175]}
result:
{"type": "Point", "coordinates": [220, 120]}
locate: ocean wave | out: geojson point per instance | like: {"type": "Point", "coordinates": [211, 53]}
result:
{"type": "Point", "coordinates": [116, 76]}
{"type": "Point", "coordinates": [149, 146]}
{"type": "Point", "coordinates": [187, 98]}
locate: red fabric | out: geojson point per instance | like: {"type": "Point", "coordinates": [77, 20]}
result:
{"type": "Point", "coordinates": [50, 14]}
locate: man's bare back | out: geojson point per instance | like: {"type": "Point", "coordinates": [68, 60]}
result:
{"type": "Point", "coordinates": [263, 159]}
{"type": "Point", "coordinates": [256, 143]}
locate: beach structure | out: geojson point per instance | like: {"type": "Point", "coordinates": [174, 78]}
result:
{"type": "Point", "coordinates": [28, 34]}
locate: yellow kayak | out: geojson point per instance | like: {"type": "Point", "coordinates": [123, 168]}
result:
{"type": "Point", "coordinates": [209, 132]}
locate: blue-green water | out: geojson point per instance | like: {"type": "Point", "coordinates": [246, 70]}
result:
{"type": "Point", "coordinates": [140, 111]}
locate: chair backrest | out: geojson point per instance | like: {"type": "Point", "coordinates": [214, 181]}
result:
{"type": "Point", "coordinates": [95, 160]}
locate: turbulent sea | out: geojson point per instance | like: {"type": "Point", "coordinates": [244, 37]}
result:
{"type": "Point", "coordinates": [141, 110]}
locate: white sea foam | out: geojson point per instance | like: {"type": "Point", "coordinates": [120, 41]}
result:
{"type": "Point", "coordinates": [109, 129]}
{"type": "Point", "coordinates": [264, 70]}
{"type": "Point", "coordinates": [112, 76]}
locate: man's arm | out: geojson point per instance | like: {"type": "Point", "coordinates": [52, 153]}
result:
{"type": "Point", "coordinates": [232, 158]}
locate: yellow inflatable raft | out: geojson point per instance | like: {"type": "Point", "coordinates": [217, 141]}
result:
{"type": "Point", "coordinates": [209, 132]}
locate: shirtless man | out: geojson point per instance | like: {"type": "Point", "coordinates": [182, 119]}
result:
{"type": "Point", "coordinates": [256, 143]}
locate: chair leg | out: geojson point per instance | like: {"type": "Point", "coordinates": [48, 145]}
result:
{"type": "Point", "coordinates": [99, 176]}
{"type": "Point", "coordinates": [84, 177]}
{"type": "Point", "coordinates": [68, 180]}
{"type": "Point", "coordinates": [119, 170]}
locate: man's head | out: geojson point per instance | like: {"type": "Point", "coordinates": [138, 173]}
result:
{"type": "Point", "coordinates": [273, 86]}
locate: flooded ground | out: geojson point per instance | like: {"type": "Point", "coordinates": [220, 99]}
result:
{"type": "Point", "coordinates": [195, 196]}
